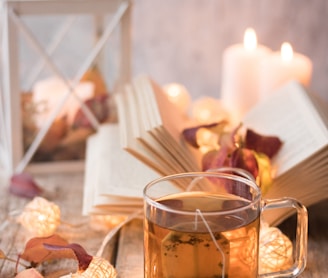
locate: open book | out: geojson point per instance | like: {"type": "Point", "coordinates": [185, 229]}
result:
{"type": "Point", "coordinates": [113, 178]}
{"type": "Point", "coordinates": [150, 130]}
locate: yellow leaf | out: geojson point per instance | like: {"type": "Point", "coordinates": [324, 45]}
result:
{"type": "Point", "coordinates": [2, 255]}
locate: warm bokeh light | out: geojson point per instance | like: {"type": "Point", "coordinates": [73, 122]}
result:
{"type": "Point", "coordinates": [178, 95]}
{"type": "Point", "coordinates": [207, 140]}
{"type": "Point", "coordinates": [250, 39]}
{"type": "Point", "coordinates": [275, 250]}
{"type": "Point", "coordinates": [40, 217]}
{"type": "Point", "coordinates": [98, 267]}
{"type": "Point", "coordinates": [286, 52]}
{"type": "Point", "coordinates": [208, 110]}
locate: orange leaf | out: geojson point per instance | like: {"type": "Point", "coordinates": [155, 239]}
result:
{"type": "Point", "coordinates": [2, 255]}
{"type": "Point", "coordinates": [35, 252]}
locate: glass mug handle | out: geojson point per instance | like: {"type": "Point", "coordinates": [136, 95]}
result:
{"type": "Point", "coordinates": [300, 252]}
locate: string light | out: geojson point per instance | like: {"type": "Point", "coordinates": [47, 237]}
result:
{"type": "Point", "coordinates": [105, 222]}
{"type": "Point", "coordinates": [275, 250]}
{"type": "Point", "coordinates": [98, 268]}
{"type": "Point", "coordinates": [207, 140]}
{"type": "Point", "coordinates": [40, 217]}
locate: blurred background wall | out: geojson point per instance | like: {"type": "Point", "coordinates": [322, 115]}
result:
{"type": "Point", "coordinates": [183, 40]}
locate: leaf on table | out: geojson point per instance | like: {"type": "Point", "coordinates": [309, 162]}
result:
{"type": "Point", "coordinates": [82, 256]}
{"type": "Point", "coordinates": [2, 255]}
{"type": "Point", "coordinates": [23, 185]}
{"type": "Point", "coordinates": [35, 251]}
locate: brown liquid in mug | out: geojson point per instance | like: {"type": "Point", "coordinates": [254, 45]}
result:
{"type": "Point", "coordinates": [182, 246]}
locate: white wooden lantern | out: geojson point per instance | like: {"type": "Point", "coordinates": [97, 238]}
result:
{"type": "Point", "coordinates": [107, 16]}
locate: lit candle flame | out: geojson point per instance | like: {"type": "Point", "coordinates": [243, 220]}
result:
{"type": "Point", "coordinates": [250, 40]}
{"type": "Point", "coordinates": [286, 52]}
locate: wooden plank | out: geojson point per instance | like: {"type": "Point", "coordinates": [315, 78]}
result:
{"type": "Point", "coordinates": [67, 190]}
{"type": "Point", "coordinates": [129, 262]}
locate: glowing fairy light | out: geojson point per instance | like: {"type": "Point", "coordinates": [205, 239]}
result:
{"type": "Point", "coordinates": [275, 250]}
{"type": "Point", "coordinates": [98, 268]}
{"type": "Point", "coordinates": [40, 217]}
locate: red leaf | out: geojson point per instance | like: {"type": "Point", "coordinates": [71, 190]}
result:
{"type": "Point", "coordinates": [189, 134]}
{"type": "Point", "coordinates": [245, 159]}
{"type": "Point", "coordinates": [268, 145]}
{"type": "Point", "coordinates": [82, 256]}
{"type": "Point", "coordinates": [215, 159]}
{"type": "Point", "coordinates": [35, 252]}
{"type": "Point", "coordinates": [98, 106]}
{"type": "Point", "coordinates": [229, 140]}
{"type": "Point", "coordinates": [23, 185]}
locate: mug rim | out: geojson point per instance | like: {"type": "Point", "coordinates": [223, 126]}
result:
{"type": "Point", "coordinates": [149, 200]}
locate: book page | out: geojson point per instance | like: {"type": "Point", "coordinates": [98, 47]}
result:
{"type": "Point", "coordinates": [121, 173]}
{"type": "Point", "coordinates": [91, 173]}
{"type": "Point", "coordinates": [139, 142]}
{"type": "Point", "coordinates": [290, 115]}
{"type": "Point", "coordinates": [129, 126]}
{"type": "Point", "coordinates": [111, 172]}
{"type": "Point", "coordinates": [158, 134]}
{"type": "Point", "coordinates": [166, 124]}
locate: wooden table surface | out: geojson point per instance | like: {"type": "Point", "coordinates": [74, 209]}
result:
{"type": "Point", "coordinates": [124, 250]}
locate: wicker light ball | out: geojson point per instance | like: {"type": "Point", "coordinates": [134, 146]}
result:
{"type": "Point", "coordinates": [40, 217]}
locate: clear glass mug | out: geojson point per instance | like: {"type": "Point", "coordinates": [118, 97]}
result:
{"type": "Point", "coordinates": [207, 224]}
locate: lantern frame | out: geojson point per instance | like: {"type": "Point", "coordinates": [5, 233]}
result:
{"type": "Point", "coordinates": [12, 156]}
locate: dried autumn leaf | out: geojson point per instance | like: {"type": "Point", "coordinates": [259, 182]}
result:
{"type": "Point", "coordinates": [98, 106]}
{"type": "Point", "coordinates": [215, 159]}
{"type": "Point", "coordinates": [245, 159]}
{"type": "Point", "coordinates": [36, 253]}
{"type": "Point", "coordinates": [75, 137]}
{"type": "Point", "coordinates": [82, 256]}
{"type": "Point", "coordinates": [94, 75]}
{"type": "Point", "coordinates": [264, 179]}
{"type": "Point", "coordinates": [23, 185]}
{"type": "Point", "coordinates": [2, 255]}
{"type": "Point", "coordinates": [190, 134]}
{"type": "Point", "coordinates": [55, 134]}
{"type": "Point", "coordinates": [268, 145]}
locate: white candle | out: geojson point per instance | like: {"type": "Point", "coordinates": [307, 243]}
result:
{"type": "Point", "coordinates": [240, 74]}
{"type": "Point", "coordinates": [47, 94]}
{"type": "Point", "coordinates": [284, 66]}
